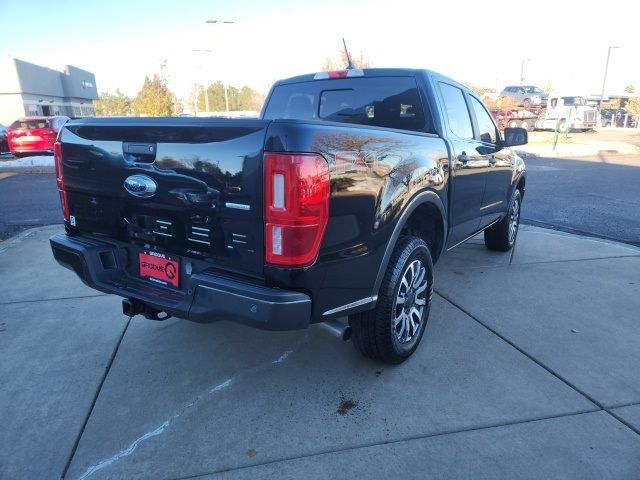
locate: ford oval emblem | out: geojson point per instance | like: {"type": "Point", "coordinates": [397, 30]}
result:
{"type": "Point", "coordinates": [140, 185]}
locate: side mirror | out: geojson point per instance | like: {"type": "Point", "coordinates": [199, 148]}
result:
{"type": "Point", "coordinates": [486, 138]}
{"type": "Point", "coordinates": [515, 136]}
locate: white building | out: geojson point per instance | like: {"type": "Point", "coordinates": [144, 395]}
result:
{"type": "Point", "coordinates": [30, 90]}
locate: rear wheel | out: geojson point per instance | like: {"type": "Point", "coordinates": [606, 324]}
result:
{"type": "Point", "coordinates": [392, 331]}
{"type": "Point", "coordinates": [502, 236]}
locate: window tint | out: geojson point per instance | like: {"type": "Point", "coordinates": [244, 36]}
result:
{"type": "Point", "coordinates": [457, 113]}
{"type": "Point", "coordinates": [376, 101]}
{"type": "Point", "coordinates": [571, 101]}
{"type": "Point", "coordinates": [486, 128]}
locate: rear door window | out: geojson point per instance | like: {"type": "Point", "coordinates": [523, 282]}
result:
{"type": "Point", "coordinates": [486, 127]}
{"type": "Point", "coordinates": [457, 111]}
{"type": "Point", "coordinates": [392, 102]}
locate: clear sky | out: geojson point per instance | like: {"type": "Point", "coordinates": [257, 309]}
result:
{"type": "Point", "coordinates": [472, 41]}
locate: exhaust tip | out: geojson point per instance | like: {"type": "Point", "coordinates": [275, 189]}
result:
{"type": "Point", "coordinates": [337, 329]}
{"type": "Point", "coordinates": [346, 334]}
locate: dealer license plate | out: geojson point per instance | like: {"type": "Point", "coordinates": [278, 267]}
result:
{"type": "Point", "coordinates": [159, 268]}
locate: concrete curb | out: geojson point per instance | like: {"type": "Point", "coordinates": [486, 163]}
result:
{"type": "Point", "coordinates": [9, 242]}
{"type": "Point", "coordinates": [27, 169]}
{"type": "Point", "coordinates": [587, 149]}
{"type": "Point", "coordinates": [33, 164]}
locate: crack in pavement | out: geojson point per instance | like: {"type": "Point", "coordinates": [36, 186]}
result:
{"type": "Point", "coordinates": [521, 350]}
{"type": "Point", "coordinates": [79, 297]}
{"type": "Point", "coordinates": [198, 399]}
{"type": "Point", "coordinates": [409, 438]}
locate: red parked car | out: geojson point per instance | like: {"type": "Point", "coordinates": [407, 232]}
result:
{"type": "Point", "coordinates": [33, 135]}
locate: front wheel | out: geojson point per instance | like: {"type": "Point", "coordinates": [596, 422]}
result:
{"type": "Point", "coordinates": [563, 126]}
{"type": "Point", "coordinates": [502, 236]}
{"type": "Point", "coordinates": [392, 331]}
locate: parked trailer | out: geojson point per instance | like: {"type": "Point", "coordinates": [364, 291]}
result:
{"type": "Point", "coordinates": [516, 118]}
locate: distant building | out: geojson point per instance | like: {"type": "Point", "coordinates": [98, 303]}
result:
{"type": "Point", "coordinates": [29, 90]}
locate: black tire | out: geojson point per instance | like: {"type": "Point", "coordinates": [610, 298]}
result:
{"type": "Point", "coordinates": [499, 237]}
{"type": "Point", "coordinates": [376, 333]}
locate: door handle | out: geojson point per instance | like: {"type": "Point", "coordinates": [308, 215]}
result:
{"type": "Point", "coordinates": [139, 152]}
{"type": "Point", "coordinates": [461, 161]}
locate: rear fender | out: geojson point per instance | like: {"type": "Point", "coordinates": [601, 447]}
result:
{"type": "Point", "coordinates": [420, 199]}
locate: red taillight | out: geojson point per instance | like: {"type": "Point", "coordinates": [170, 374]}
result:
{"type": "Point", "coordinates": [57, 159]}
{"type": "Point", "coordinates": [296, 195]}
{"type": "Point", "coordinates": [64, 201]}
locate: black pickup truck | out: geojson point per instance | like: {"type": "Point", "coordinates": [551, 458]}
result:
{"type": "Point", "coordinates": [336, 202]}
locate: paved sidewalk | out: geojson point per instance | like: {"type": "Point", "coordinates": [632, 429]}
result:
{"type": "Point", "coordinates": [528, 369]}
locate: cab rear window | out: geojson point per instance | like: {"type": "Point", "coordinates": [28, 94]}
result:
{"type": "Point", "coordinates": [392, 102]}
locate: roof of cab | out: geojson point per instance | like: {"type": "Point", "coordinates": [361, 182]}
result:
{"type": "Point", "coordinates": [375, 72]}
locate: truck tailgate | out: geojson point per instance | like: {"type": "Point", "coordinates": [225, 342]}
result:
{"type": "Point", "coordinates": [183, 186]}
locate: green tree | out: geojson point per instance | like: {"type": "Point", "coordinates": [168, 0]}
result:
{"type": "Point", "coordinates": [249, 99]}
{"type": "Point", "coordinates": [630, 89]}
{"type": "Point", "coordinates": [232, 93]}
{"type": "Point", "coordinates": [154, 99]}
{"type": "Point", "coordinates": [112, 104]}
{"type": "Point", "coordinates": [244, 98]}
{"type": "Point", "coordinates": [633, 106]}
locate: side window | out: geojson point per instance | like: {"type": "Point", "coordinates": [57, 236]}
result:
{"type": "Point", "coordinates": [457, 112]}
{"type": "Point", "coordinates": [486, 128]}
{"type": "Point", "coordinates": [554, 102]}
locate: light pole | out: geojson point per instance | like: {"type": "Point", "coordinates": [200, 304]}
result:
{"type": "Point", "coordinates": [204, 87]}
{"type": "Point", "coordinates": [224, 86]}
{"type": "Point", "coordinates": [524, 60]}
{"type": "Point", "coordinates": [604, 82]}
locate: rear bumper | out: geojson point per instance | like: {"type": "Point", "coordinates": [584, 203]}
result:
{"type": "Point", "coordinates": [204, 297]}
{"type": "Point", "coordinates": [30, 149]}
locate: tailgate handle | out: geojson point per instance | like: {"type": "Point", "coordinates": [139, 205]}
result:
{"type": "Point", "coordinates": [139, 152]}
{"type": "Point", "coordinates": [199, 198]}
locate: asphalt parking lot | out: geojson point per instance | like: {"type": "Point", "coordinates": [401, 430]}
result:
{"type": "Point", "coordinates": [528, 369]}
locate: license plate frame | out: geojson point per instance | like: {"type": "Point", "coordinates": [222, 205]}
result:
{"type": "Point", "coordinates": [159, 268]}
